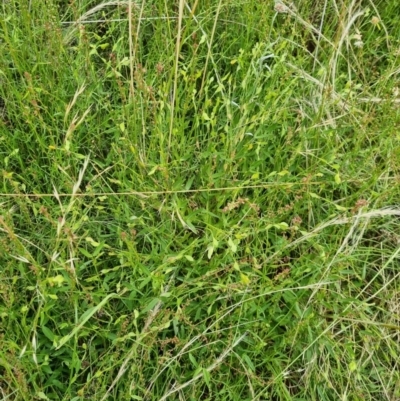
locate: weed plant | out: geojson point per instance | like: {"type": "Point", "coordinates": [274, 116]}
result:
{"type": "Point", "coordinates": [199, 200]}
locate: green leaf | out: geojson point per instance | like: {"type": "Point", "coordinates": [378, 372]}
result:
{"type": "Point", "coordinates": [207, 377]}
{"type": "Point", "coordinates": [249, 362]}
{"type": "Point", "coordinates": [279, 226]}
{"type": "Point", "coordinates": [57, 280]}
{"type": "Point", "coordinates": [353, 366]}
{"type": "Point", "coordinates": [48, 333]}
{"type": "Point", "coordinates": [341, 208]}
{"type": "Point", "coordinates": [92, 242]}
{"type": "Point", "coordinates": [153, 170]}
{"type": "Point", "coordinates": [203, 39]}
{"type": "Point", "coordinates": [84, 318]}
{"type": "Point", "coordinates": [283, 173]}
{"type": "Point", "coordinates": [84, 252]}
{"type": "Point", "coordinates": [232, 245]}
{"type": "Point", "coordinates": [244, 279]}
{"type": "Point", "coordinates": [151, 305]}
{"type": "Point", "coordinates": [193, 360]}
{"type": "Point", "coordinates": [210, 251]}
{"type": "Point", "coordinates": [205, 116]}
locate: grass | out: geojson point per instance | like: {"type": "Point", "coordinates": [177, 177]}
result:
{"type": "Point", "coordinates": [199, 200]}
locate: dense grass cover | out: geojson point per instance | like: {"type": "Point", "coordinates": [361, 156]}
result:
{"type": "Point", "coordinates": [199, 200]}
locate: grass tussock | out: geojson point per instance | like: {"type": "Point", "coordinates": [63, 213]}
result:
{"type": "Point", "coordinates": [199, 200]}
